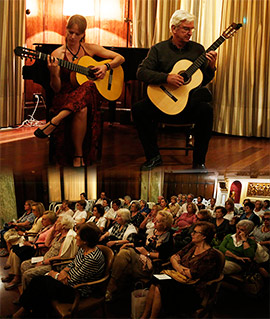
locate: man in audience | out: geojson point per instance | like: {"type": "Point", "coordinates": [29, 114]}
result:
{"type": "Point", "coordinates": [102, 197]}
{"type": "Point", "coordinates": [183, 209]}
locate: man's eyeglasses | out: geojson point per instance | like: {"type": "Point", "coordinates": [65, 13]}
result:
{"type": "Point", "coordinates": [186, 29]}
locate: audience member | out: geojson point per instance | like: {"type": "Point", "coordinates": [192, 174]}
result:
{"type": "Point", "coordinates": [183, 209]}
{"type": "Point", "coordinates": [27, 250]}
{"type": "Point", "coordinates": [98, 218]}
{"type": "Point", "coordinates": [160, 197]}
{"type": "Point", "coordinates": [22, 223]}
{"type": "Point", "coordinates": [106, 204]}
{"type": "Point", "coordinates": [261, 233]}
{"type": "Point", "coordinates": [258, 208]}
{"type": "Point", "coordinates": [148, 223]}
{"type": "Point", "coordinates": [266, 205]}
{"type": "Point", "coordinates": [13, 236]}
{"type": "Point", "coordinates": [198, 262]}
{"type": "Point", "coordinates": [200, 204]}
{"type": "Point", "coordinates": [136, 262]}
{"type": "Point", "coordinates": [221, 224]}
{"type": "Point", "coordinates": [211, 207]}
{"type": "Point", "coordinates": [102, 197]}
{"type": "Point", "coordinates": [63, 245]}
{"type": "Point", "coordinates": [117, 235]}
{"type": "Point", "coordinates": [179, 199]}
{"type": "Point", "coordinates": [80, 215]}
{"type": "Point", "coordinates": [136, 218]}
{"type": "Point", "coordinates": [187, 218]}
{"type": "Point", "coordinates": [174, 206]}
{"type": "Point", "coordinates": [238, 248]}
{"type": "Point", "coordinates": [111, 214]}
{"type": "Point", "coordinates": [164, 204]}
{"type": "Point", "coordinates": [229, 206]}
{"type": "Point", "coordinates": [144, 209]}
{"type": "Point", "coordinates": [87, 266]}
{"type": "Point", "coordinates": [83, 196]}
{"type": "Point", "coordinates": [183, 200]}
{"type": "Point", "coordinates": [184, 237]}
{"type": "Point", "coordinates": [241, 209]}
{"type": "Point", "coordinates": [65, 208]}
{"type": "Point", "coordinates": [249, 214]}
{"type": "Point", "coordinates": [127, 200]}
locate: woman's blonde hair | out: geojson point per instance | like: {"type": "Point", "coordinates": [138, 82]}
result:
{"type": "Point", "coordinates": [167, 218]}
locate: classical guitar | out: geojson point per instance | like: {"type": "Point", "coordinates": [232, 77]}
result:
{"type": "Point", "coordinates": [109, 87]}
{"type": "Point", "coordinates": [171, 100]}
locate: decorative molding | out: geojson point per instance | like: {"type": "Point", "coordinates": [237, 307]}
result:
{"type": "Point", "coordinates": [258, 189]}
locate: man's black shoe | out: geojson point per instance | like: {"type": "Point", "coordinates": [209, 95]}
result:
{"type": "Point", "coordinates": [200, 168]}
{"type": "Point", "coordinates": [152, 163]}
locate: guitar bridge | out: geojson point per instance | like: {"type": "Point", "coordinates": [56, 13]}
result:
{"type": "Point", "coordinates": [168, 93]}
{"type": "Point", "coordinates": [110, 80]}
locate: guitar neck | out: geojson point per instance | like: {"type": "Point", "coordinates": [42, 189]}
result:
{"type": "Point", "coordinates": [201, 59]}
{"type": "Point", "coordinates": [66, 64]}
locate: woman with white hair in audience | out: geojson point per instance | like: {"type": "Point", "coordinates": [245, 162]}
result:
{"type": "Point", "coordinates": [136, 262]}
{"type": "Point", "coordinates": [63, 245]}
{"type": "Point", "coordinates": [261, 233]}
{"type": "Point", "coordinates": [117, 235]}
{"type": "Point", "coordinates": [239, 249]}
{"type": "Point", "coordinates": [144, 209]}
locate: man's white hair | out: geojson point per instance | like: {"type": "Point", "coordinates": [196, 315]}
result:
{"type": "Point", "coordinates": [179, 16]}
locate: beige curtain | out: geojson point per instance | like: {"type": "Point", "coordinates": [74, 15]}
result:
{"type": "Point", "coordinates": [242, 86]}
{"type": "Point", "coordinates": [151, 20]}
{"type": "Point", "coordinates": [12, 34]}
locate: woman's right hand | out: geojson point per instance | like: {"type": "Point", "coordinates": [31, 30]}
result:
{"type": "Point", "coordinates": [63, 277]}
{"type": "Point", "coordinates": [244, 259]}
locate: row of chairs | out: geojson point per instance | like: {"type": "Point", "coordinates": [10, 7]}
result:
{"type": "Point", "coordinates": [83, 306]}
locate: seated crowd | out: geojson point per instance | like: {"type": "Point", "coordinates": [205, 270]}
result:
{"type": "Point", "coordinates": [184, 231]}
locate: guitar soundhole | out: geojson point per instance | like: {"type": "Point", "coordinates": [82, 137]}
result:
{"type": "Point", "coordinates": [185, 76]}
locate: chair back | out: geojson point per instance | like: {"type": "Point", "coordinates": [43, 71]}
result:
{"type": "Point", "coordinates": [109, 257]}
{"type": "Point", "coordinates": [221, 263]}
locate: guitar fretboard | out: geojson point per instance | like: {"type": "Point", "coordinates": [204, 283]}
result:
{"type": "Point", "coordinates": [66, 64]}
{"type": "Point", "coordinates": [201, 59]}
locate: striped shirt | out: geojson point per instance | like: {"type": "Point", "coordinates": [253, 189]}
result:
{"type": "Point", "coordinates": [86, 268]}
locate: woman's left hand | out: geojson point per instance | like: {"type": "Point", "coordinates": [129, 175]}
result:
{"type": "Point", "coordinates": [142, 250]}
{"type": "Point", "coordinates": [100, 71]}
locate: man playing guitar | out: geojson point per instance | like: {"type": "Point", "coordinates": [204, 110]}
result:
{"type": "Point", "coordinates": [155, 69]}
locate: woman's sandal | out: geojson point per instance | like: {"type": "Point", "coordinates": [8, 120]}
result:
{"type": "Point", "coordinates": [81, 161]}
{"type": "Point", "coordinates": [40, 132]}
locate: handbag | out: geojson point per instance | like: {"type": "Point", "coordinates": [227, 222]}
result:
{"type": "Point", "coordinates": [138, 301]}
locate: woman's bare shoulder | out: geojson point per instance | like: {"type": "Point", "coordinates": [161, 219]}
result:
{"type": "Point", "coordinates": [59, 52]}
